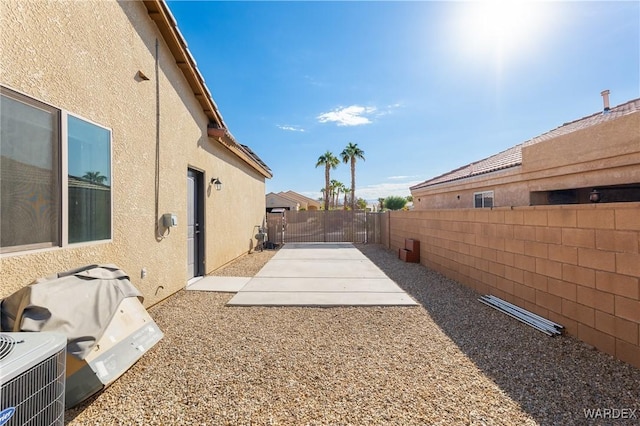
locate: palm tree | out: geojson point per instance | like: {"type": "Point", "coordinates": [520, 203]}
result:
{"type": "Point", "coordinates": [329, 161]}
{"type": "Point", "coordinates": [346, 191]}
{"type": "Point", "coordinates": [350, 154]}
{"type": "Point", "coordinates": [332, 194]}
{"type": "Point", "coordinates": [339, 187]}
{"type": "Point", "coordinates": [95, 177]}
{"type": "Point", "coordinates": [336, 187]}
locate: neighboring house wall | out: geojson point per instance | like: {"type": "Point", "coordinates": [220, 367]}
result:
{"type": "Point", "coordinates": [505, 184]}
{"type": "Point", "coordinates": [603, 155]}
{"type": "Point", "coordinates": [277, 201]}
{"type": "Point", "coordinates": [84, 58]}
{"type": "Point", "coordinates": [577, 265]}
{"type": "Point", "coordinates": [306, 202]}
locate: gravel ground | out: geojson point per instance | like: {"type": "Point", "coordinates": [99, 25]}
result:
{"type": "Point", "coordinates": [450, 361]}
{"type": "Point", "coordinates": [246, 266]}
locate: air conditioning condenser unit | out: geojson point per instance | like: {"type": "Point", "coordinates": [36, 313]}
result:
{"type": "Point", "coordinates": [32, 379]}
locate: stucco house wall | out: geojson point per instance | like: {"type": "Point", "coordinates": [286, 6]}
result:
{"type": "Point", "coordinates": [84, 57]}
{"type": "Point", "coordinates": [278, 201]}
{"type": "Point", "coordinates": [604, 154]}
{"type": "Point", "coordinates": [305, 202]}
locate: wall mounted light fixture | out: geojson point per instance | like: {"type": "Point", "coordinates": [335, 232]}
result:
{"type": "Point", "coordinates": [594, 196]}
{"type": "Point", "coordinates": [216, 182]}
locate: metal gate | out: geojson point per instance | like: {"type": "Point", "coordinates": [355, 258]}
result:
{"type": "Point", "coordinates": [324, 226]}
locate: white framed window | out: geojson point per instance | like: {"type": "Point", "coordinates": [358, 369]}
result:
{"type": "Point", "coordinates": [88, 181]}
{"type": "Point", "coordinates": [55, 179]}
{"type": "Point", "coordinates": [483, 199]}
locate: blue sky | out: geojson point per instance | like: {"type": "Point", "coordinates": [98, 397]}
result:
{"type": "Point", "coordinates": [422, 87]}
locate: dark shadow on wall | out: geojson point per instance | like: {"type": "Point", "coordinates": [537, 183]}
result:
{"type": "Point", "coordinates": [553, 379]}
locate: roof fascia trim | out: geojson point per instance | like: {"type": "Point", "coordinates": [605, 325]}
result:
{"type": "Point", "coordinates": [159, 12]}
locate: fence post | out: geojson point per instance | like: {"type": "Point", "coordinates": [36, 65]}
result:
{"type": "Point", "coordinates": [389, 230]}
{"type": "Point", "coordinates": [366, 227]}
{"type": "Point", "coordinates": [324, 225]}
{"type": "Point", "coordinates": [283, 221]}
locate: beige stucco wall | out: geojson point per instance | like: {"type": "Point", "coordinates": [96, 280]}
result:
{"type": "Point", "coordinates": [506, 184]}
{"type": "Point", "coordinates": [305, 203]}
{"type": "Point", "coordinates": [578, 265]}
{"type": "Point", "coordinates": [614, 143]}
{"type": "Point", "coordinates": [83, 57]}
{"type": "Point", "coordinates": [605, 154]}
{"type": "Point", "coordinates": [275, 201]}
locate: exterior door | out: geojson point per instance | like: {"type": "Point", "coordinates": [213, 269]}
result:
{"type": "Point", "coordinates": [195, 228]}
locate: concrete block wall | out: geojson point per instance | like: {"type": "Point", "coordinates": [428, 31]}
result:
{"type": "Point", "coordinates": [578, 265]}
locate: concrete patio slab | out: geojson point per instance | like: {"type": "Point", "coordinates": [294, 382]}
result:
{"type": "Point", "coordinates": [320, 274]}
{"type": "Point", "coordinates": [315, 251]}
{"type": "Point", "coordinates": [319, 245]}
{"type": "Point", "coordinates": [315, 284]}
{"type": "Point", "coordinates": [320, 299]}
{"type": "Point", "coordinates": [220, 284]}
{"type": "Point", "coordinates": [323, 268]}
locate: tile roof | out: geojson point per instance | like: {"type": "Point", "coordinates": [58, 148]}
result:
{"type": "Point", "coordinates": [302, 197]}
{"type": "Point", "coordinates": [78, 182]}
{"type": "Point", "coordinates": [27, 175]}
{"type": "Point", "coordinates": [513, 156]}
{"type": "Point", "coordinates": [283, 200]}
{"type": "Point", "coordinates": [255, 157]}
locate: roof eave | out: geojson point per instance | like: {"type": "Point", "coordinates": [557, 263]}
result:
{"type": "Point", "coordinates": [457, 179]}
{"type": "Point", "coordinates": [166, 23]}
{"type": "Point", "coordinates": [229, 142]}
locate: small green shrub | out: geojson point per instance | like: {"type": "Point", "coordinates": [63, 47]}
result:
{"type": "Point", "coordinates": [394, 202]}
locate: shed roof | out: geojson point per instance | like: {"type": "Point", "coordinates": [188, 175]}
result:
{"type": "Point", "coordinates": [513, 156]}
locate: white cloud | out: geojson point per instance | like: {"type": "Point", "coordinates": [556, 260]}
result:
{"type": "Point", "coordinates": [383, 190]}
{"type": "Point", "coordinates": [290, 128]}
{"type": "Point", "coordinates": [354, 115]}
{"type": "Point", "coordinates": [314, 195]}
{"type": "Point", "coordinates": [372, 192]}
{"type": "Point", "coordinates": [314, 81]}
{"type": "Point", "coordinates": [389, 109]}
{"type": "Point", "coordinates": [401, 177]}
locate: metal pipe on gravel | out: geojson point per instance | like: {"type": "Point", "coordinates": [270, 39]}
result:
{"type": "Point", "coordinates": [514, 314]}
{"type": "Point", "coordinates": [544, 330]}
{"type": "Point", "coordinates": [545, 320]}
{"type": "Point", "coordinates": [555, 328]}
{"type": "Point", "coordinates": [527, 320]}
{"type": "Point", "coordinates": [501, 302]}
{"type": "Point", "coordinates": [522, 315]}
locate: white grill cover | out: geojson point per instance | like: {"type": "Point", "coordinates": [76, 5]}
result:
{"type": "Point", "coordinates": [79, 304]}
